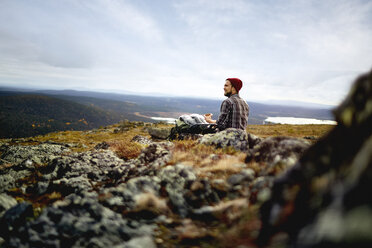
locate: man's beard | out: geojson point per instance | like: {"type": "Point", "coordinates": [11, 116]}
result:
{"type": "Point", "coordinates": [228, 94]}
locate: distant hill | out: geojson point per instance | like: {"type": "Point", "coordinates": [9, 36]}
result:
{"type": "Point", "coordinates": [37, 112]}
{"type": "Point", "coordinates": [171, 106]}
{"type": "Point", "coordinates": [29, 115]}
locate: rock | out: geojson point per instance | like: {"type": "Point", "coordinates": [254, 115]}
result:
{"type": "Point", "coordinates": [142, 140]}
{"type": "Point", "coordinates": [189, 231]}
{"type": "Point", "coordinates": [102, 145]}
{"type": "Point", "coordinates": [77, 221]}
{"type": "Point", "coordinates": [245, 175]}
{"type": "Point", "coordinates": [280, 149]}
{"type": "Point", "coordinates": [14, 218]}
{"type": "Point", "coordinates": [6, 202]}
{"type": "Point", "coordinates": [146, 241]}
{"type": "Point", "coordinates": [126, 125]}
{"type": "Point", "coordinates": [9, 179]}
{"type": "Point", "coordinates": [199, 193]}
{"type": "Point", "coordinates": [125, 196]}
{"type": "Point", "coordinates": [149, 206]}
{"type": "Point", "coordinates": [225, 211]}
{"type": "Point", "coordinates": [220, 187]}
{"type": "Point", "coordinates": [253, 140]}
{"type": "Point", "coordinates": [39, 188]}
{"type": "Point", "coordinates": [261, 189]}
{"type": "Point", "coordinates": [83, 171]}
{"type": "Point", "coordinates": [173, 181]}
{"type": "Point", "coordinates": [324, 200]}
{"type": "Point", "coordinates": [151, 159]}
{"type": "Point", "coordinates": [159, 133]}
{"type": "Point", "coordinates": [38, 154]}
{"type": "Point", "coordinates": [11, 174]}
{"type": "Point", "coordinates": [231, 137]}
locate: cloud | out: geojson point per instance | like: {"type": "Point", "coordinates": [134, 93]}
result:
{"type": "Point", "coordinates": [294, 49]}
{"type": "Point", "coordinates": [75, 34]}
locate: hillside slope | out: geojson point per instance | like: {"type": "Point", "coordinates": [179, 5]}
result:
{"type": "Point", "coordinates": [30, 115]}
{"type": "Point", "coordinates": [172, 106]}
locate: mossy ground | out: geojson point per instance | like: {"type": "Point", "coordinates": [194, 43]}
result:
{"type": "Point", "coordinates": [207, 161]}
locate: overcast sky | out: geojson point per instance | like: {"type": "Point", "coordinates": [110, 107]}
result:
{"type": "Point", "coordinates": [301, 50]}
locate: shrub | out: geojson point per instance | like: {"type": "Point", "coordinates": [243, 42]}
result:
{"type": "Point", "coordinates": [126, 149]}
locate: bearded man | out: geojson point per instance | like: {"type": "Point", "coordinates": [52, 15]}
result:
{"type": "Point", "coordinates": [234, 110]}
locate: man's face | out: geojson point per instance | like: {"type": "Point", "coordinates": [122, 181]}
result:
{"type": "Point", "coordinates": [227, 88]}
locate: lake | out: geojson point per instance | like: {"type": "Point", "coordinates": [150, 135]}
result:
{"type": "Point", "coordinates": [164, 119]}
{"type": "Point", "coordinates": [298, 121]}
{"type": "Point", "coordinates": [268, 120]}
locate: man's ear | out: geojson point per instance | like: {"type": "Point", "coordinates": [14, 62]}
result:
{"type": "Point", "coordinates": [234, 91]}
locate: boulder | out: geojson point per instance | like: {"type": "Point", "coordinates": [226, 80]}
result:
{"type": "Point", "coordinates": [82, 171]}
{"type": "Point", "coordinates": [124, 196]}
{"type": "Point", "coordinates": [151, 159]}
{"type": "Point", "coordinates": [77, 221]}
{"type": "Point", "coordinates": [231, 137]}
{"type": "Point", "coordinates": [15, 218]}
{"type": "Point", "coordinates": [38, 154]}
{"type": "Point", "coordinates": [324, 200]}
{"type": "Point", "coordinates": [279, 149]}
{"type": "Point", "coordinates": [159, 133]}
{"type": "Point", "coordinates": [174, 179]}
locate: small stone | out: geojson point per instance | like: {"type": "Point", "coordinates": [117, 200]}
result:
{"type": "Point", "coordinates": [159, 133]}
{"type": "Point", "coordinates": [6, 202]}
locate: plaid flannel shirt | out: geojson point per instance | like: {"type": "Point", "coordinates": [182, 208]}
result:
{"type": "Point", "coordinates": [233, 113]}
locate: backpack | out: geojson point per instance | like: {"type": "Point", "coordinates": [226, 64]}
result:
{"type": "Point", "coordinates": [186, 127]}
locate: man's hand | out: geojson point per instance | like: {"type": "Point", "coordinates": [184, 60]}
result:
{"type": "Point", "coordinates": [208, 118]}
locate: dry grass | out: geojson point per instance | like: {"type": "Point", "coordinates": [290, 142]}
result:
{"type": "Point", "coordinates": [220, 163]}
{"type": "Point", "coordinates": [298, 131]}
{"type": "Point", "coordinates": [126, 150]}
{"type": "Point", "coordinates": [207, 160]}
{"type": "Point", "coordinates": [87, 140]}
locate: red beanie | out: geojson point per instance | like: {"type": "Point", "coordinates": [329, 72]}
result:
{"type": "Point", "coordinates": [236, 82]}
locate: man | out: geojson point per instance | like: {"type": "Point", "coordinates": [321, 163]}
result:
{"type": "Point", "coordinates": [234, 110]}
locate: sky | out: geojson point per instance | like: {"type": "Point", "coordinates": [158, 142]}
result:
{"type": "Point", "coordinates": [299, 50]}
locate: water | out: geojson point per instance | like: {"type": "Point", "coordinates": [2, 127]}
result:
{"type": "Point", "coordinates": [295, 120]}
{"type": "Point", "coordinates": [275, 120]}
{"type": "Point", "coordinates": [167, 120]}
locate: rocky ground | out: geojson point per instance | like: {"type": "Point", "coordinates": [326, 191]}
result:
{"type": "Point", "coordinates": [230, 189]}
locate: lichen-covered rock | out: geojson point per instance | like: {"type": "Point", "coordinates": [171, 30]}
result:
{"type": "Point", "coordinates": [159, 133]}
{"type": "Point", "coordinates": [151, 159]}
{"type": "Point", "coordinates": [104, 145]}
{"type": "Point", "coordinates": [253, 140]}
{"type": "Point", "coordinates": [142, 140]}
{"type": "Point", "coordinates": [38, 154]}
{"type": "Point", "coordinates": [123, 196]}
{"type": "Point", "coordinates": [14, 218]}
{"type": "Point", "coordinates": [23, 160]}
{"type": "Point", "coordinates": [246, 175]}
{"type": "Point", "coordinates": [9, 178]}
{"type": "Point", "coordinates": [155, 154]}
{"type": "Point", "coordinates": [173, 181]}
{"type": "Point", "coordinates": [77, 221]}
{"type": "Point", "coordinates": [279, 149]}
{"type": "Point", "coordinates": [11, 174]}
{"type": "Point", "coordinates": [6, 202]}
{"type": "Point", "coordinates": [83, 171]}
{"type": "Point", "coordinates": [200, 193]}
{"type": "Point", "coordinates": [324, 200]}
{"type": "Point", "coordinates": [231, 137]}
{"type": "Point", "coordinates": [146, 241]}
